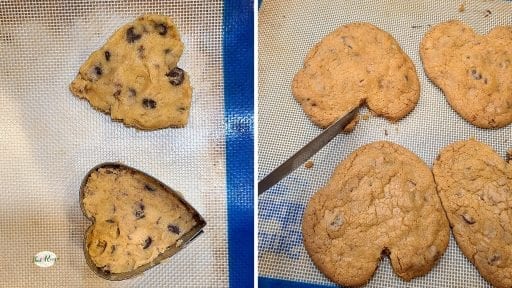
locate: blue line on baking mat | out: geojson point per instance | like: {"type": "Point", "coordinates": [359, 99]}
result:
{"type": "Point", "coordinates": [239, 119]}
{"type": "Point", "coordinates": [264, 282]}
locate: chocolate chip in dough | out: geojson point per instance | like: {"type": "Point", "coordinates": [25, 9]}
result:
{"type": "Point", "coordinates": [176, 76]}
{"type": "Point", "coordinates": [149, 103]}
{"type": "Point", "coordinates": [140, 51]}
{"type": "Point", "coordinates": [173, 229]}
{"type": "Point", "coordinates": [132, 92]}
{"type": "Point", "coordinates": [139, 211]}
{"type": "Point", "coordinates": [161, 28]}
{"type": "Point", "coordinates": [101, 245]}
{"type": "Point", "coordinates": [98, 71]}
{"type": "Point", "coordinates": [147, 243]}
{"type": "Point", "coordinates": [131, 36]}
{"type": "Point", "coordinates": [475, 74]}
{"type": "Point", "coordinates": [106, 269]}
{"type": "Point", "coordinates": [468, 218]}
{"type": "Point", "coordinates": [149, 188]}
{"type": "Point", "coordinates": [107, 55]}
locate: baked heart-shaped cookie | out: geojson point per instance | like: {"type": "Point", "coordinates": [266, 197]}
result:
{"type": "Point", "coordinates": [137, 221]}
{"type": "Point", "coordinates": [475, 187]}
{"type": "Point", "coordinates": [134, 76]}
{"type": "Point", "coordinates": [472, 70]}
{"type": "Point", "coordinates": [355, 64]}
{"type": "Point", "coordinates": [380, 200]}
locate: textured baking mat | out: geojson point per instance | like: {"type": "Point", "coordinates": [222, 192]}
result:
{"type": "Point", "coordinates": [50, 139]}
{"type": "Point", "coordinates": [287, 30]}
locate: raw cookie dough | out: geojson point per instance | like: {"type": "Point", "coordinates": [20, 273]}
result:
{"type": "Point", "coordinates": [475, 187]}
{"type": "Point", "coordinates": [134, 76]}
{"type": "Point", "coordinates": [380, 200]}
{"type": "Point", "coordinates": [357, 63]}
{"type": "Point", "coordinates": [472, 70]}
{"type": "Point", "coordinates": [135, 219]}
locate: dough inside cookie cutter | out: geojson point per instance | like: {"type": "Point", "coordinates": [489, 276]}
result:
{"type": "Point", "coordinates": [181, 243]}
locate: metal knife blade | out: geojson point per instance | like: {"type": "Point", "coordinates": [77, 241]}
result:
{"type": "Point", "coordinates": [306, 152]}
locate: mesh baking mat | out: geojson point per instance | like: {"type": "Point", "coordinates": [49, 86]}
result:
{"type": "Point", "coordinates": [50, 139]}
{"type": "Point", "coordinates": [287, 30]}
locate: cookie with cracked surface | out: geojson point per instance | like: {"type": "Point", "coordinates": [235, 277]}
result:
{"type": "Point", "coordinates": [472, 70]}
{"type": "Point", "coordinates": [380, 200]}
{"type": "Point", "coordinates": [137, 221]}
{"type": "Point", "coordinates": [475, 187]}
{"type": "Point", "coordinates": [134, 77]}
{"type": "Point", "coordinates": [355, 64]}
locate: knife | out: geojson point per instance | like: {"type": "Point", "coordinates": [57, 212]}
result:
{"type": "Point", "coordinates": [306, 152]}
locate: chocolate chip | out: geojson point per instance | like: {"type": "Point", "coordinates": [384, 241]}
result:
{"type": "Point", "coordinates": [107, 55]}
{"type": "Point", "coordinates": [476, 75]}
{"type": "Point", "coordinates": [149, 187]}
{"type": "Point", "coordinates": [161, 28]}
{"type": "Point", "coordinates": [132, 92]}
{"type": "Point", "coordinates": [117, 93]}
{"type": "Point", "coordinates": [102, 245]}
{"type": "Point", "coordinates": [337, 222]}
{"type": "Point", "coordinates": [468, 218]}
{"type": "Point", "coordinates": [173, 228]}
{"type": "Point", "coordinates": [167, 51]}
{"type": "Point", "coordinates": [109, 221]}
{"type": "Point", "coordinates": [182, 109]}
{"type": "Point", "coordinates": [147, 243]}
{"type": "Point", "coordinates": [176, 76]}
{"type": "Point", "coordinates": [494, 259]}
{"type": "Point", "coordinates": [97, 70]}
{"type": "Point", "coordinates": [140, 51]}
{"type": "Point", "coordinates": [131, 36]}
{"type": "Point", "coordinates": [149, 103]}
{"type": "Point", "coordinates": [344, 39]}
{"type": "Point", "coordinates": [139, 214]}
{"type": "Point", "coordinates": [139, 211]}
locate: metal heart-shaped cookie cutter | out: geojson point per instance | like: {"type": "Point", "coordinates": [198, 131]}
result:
{"type": "Point", "coordinates": [185, 239]}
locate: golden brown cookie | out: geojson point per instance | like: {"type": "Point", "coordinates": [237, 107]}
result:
{"type": "Point", "coordinates": [357, 63]}
{"type": "Point", "coordinates": [137, 221]}
{"type": "Point", "coordinates": [134, 76]}
{"type": "Point", "coordinates": [475, 187]}
{"type": "Point", "coordinates": [472, 70]}
{"type": "Point", "coordinates": [380, 200]}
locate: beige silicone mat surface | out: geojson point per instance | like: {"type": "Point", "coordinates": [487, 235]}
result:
{"type": "Point", "coordinates": [287, 30]}
{"type": "Point", "coordinates": [49, 139]}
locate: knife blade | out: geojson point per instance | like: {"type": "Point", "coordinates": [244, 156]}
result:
{"type": "Point", "coordinates": [306, 152]}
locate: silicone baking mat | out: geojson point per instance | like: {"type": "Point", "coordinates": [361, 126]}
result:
{"type": "Point", "coordinates": [50, 139]}
{"type": "Point", "coordinates": [287, 30]}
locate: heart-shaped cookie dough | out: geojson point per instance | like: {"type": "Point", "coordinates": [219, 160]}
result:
{"type": "Point", "coordinates": [137, 221]}
{"type": "Point", "coordinates": [134, 76]}
{"type": "Point", "coordinates": [380, 200]}
{"type": "Point", "coordinates": [475, 187]}
{"type": "Point", "coordinates": [472, 70]}
{"type": "Point", "coordinates": [355, 64]}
